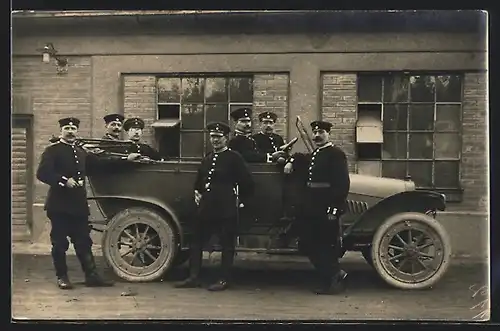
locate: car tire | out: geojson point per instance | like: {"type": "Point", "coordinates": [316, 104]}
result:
{"type": "Point", "coordinates": [159, 240]}
{"type": "Point", "coordinates": [392, 229]}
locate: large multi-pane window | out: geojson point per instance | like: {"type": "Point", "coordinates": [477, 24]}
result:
{"type": "Point", "coordinates": [421, 118]}
{"type": "Point", "coordinates": [196, 101]}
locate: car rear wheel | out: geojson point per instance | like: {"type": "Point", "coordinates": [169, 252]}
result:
{"type": "Point", "coordinates": [411, 251]}
{"type": "Point", "coordinates": [139, 244]}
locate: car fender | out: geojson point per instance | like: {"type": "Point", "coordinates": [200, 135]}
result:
{"type": "Point", "coordinates": [169, 211]}
{"type": "Point", "coordinates": [420, 201]}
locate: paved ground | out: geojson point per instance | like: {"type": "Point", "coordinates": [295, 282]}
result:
{"type": "Point", "coordinates": [273, 289]}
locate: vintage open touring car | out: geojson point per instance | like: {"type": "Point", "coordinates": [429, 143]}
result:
{"type": "Point", "coordinates": [148, 208]}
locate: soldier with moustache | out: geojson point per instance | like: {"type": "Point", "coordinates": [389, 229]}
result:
{"type": "Point", "coordinates": [134, 128]}
{"type": "Point", "coordinates": [64, 166]}
{"type": "Point", "coordinates": [266, 140]}
{"type": "Point", "coordinates": [114, 126]}
{"type": "Point", "coordinates": [245, 144]}
{"type": "Point", "coordinates": [326, 185]}
{"type": "Point", "coordinates": [222, 178]}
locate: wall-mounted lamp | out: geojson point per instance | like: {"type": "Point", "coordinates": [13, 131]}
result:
{"type": "Point", "coordinates": [48, 51]}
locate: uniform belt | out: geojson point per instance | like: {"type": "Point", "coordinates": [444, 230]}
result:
{"type": "Point", "coordinates": [318, 185]}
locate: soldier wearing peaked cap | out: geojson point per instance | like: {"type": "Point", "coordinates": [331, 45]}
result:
{"type": "Point", "coordinates": [222, 175]}
{"type": "Point", "coordinates": [244, 143]}
{"type": "Point", "coordinates": [266, 140]}
{"type": "Point", "coordinates": [63, 166]}
{"type": "Point", "coordinates": [134, 128]}
{"type": "Point", "coordinates": [325, 177]}
{"type": "Point", "coordinates": [114, 126]}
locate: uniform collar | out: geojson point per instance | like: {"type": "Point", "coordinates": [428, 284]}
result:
{"type": "Point", "coordinates": [223, 150]}
{"type": "Point", "coordinates": [241, 133]}
{"type": "Point", "coordinates": [111, 136]}
{"type": "Point", "coordinates": [267, 134]}
{"type": "Point", "coordinates": [66, 143]}
{"type": "Point", "coordinates": [328, 144]}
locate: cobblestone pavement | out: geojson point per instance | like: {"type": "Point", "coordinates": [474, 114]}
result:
{"type": "Point", "coordinates": [272, 290]}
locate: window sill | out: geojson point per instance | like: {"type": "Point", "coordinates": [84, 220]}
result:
{"type": "Point", "coordinates": [452, 194]}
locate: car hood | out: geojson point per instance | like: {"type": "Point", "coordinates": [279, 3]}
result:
{"type": "Point", "coordinates": [378, 186]}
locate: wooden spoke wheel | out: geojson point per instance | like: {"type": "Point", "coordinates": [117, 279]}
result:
{"type": "Point", "coordinates": [139, 244]}
{"type": "Point", "coordinates": [411, 251]}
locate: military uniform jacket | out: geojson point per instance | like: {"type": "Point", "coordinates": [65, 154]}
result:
{"type": "Point", "coordinates": [268, 143]}
{"type": "Point", "coordinates": [325, 174]}
{"type": "Point", "coordinates": [217, 178]}
{"type": "Point", "coordinates": [247, 147]}
{"type": "Point", "coordinates": [143, 149]}
{"type": "Point", "coordinates": [59, 162]}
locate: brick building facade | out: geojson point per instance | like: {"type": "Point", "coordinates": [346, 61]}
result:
{"type": "Point", "coordinates": [296, 65]}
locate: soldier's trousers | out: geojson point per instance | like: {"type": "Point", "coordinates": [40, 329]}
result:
{"type": "Point", "coordinates": [203, 231]}
{"type": "Point", "coordinates": [78, 230]}
{"type": "Point", "coordinates": [319, 240]}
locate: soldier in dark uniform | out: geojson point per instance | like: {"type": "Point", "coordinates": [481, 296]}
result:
{"type": "Point", "coordinates": [114, 126]}
{"type": "Point", "coordinates": [222, 175]}
{"type": "Point", "coordinates": [267, 141]}
{"type": "Point", "coordinates": [243, 143]}
{"type": "Point", "coordinates": [133, 127]}
{"type": "Point", "coordinates": [63, 167]}
{"type": "Point", "coordinates": [326, 186]}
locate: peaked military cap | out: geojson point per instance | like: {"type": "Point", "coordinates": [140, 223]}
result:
{"type": "Point", "coordinates": [114, 118]}
{"type": "Point", "coordinates": [134, 122]}
{"type": "Point", "coordinates": [218, 127]}
{"type": "Point", "coordinates": [268, 115]}
{"type": "Point", "coordinates": [321, 125]}
{"type": "Point", "coordinates": [69, 121]}
{"type": "Point", "coordinates": [241, 113]}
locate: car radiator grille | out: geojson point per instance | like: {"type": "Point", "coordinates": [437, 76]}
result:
{"type": "Point", "coordinates": [356, 207]}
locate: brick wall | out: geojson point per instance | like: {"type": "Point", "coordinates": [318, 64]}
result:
{"type": "Point", "coordinates": [338, 102]}
{"type": "Point", "coordinates": [139, 99]}
{"type": "Point", "coordinates": [474, 166]}
{"type": "Point", "coordinates": [53, 96]}
{"type": "Point", "coordinates": [270, 93]}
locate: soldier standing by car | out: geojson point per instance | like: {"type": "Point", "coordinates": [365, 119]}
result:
{"type": "Point", "coordinates": [243, 142]}
{"type": "Point", "coordinates": [223, 178]}
{"type": "Point", "coordinates": [63, 167]}
{"type": "Point", "coordinates": [326, 188]}
{"type": "Point", "coordinates": [134, 128]}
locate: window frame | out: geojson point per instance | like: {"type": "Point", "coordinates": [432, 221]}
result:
{"type": "Point", "coordinates": [227, 77]}
{"type": "Point", "coordinates": [407, 104]}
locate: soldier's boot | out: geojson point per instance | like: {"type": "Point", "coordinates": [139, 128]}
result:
{"type": "Point", "coordinates": [193, 281]}
{"type": "Point", "coordinates": [92, 278]}
{"type": "Point", "coordinates": [220, 285]}
{"type": "Point", "coordinates": [227, 260]}
{"type": "Point", "coordinates": [334, 286]}
{"type": "Point", "coordinates": [190, 282]}
{"type": "Point", "coordinates": [63, 283]}
{"type": "Point", "coordinates": [59, 261]}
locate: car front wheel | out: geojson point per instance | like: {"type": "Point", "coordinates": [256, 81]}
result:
{"type": "Point", "coordinates": [139, 244]}
{"type": "Point", "coordinates": [411, 251]}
